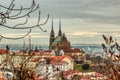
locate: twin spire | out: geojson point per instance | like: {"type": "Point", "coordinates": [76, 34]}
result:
{"type": "Point", "coordinates": [59, 32]}
{"type": "Point", "coordinates": [52, 31]}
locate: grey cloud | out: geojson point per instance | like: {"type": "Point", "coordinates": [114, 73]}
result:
{"type": "Point", "coordinates": [100, 11]}
{"type": "Point", "coordinates": [107, 11]}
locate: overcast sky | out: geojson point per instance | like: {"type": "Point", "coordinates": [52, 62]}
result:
{"type": "Point", "coordinates": [83, 21]}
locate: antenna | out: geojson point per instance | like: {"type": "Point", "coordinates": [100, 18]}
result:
{"type": "Point", "coordinates": [24, 45]}
{"type": "Point", "coordinates": [29, 44]}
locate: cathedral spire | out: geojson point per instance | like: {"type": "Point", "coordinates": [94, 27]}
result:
{"type": "Point", "coordinates": [60, 32]}
{"type": "Point", "coordinates": [52, 25]}
{"type": "Point", "coordinates": [52, 36]}
{"type": "Point", "coordinates": [52, 31]}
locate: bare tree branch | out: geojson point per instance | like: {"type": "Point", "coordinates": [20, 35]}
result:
{"type": "Point", "coordinates": [7, 8]}
{"type": "Point", "coordinates": [26, 14]}
{"type": "Point", "coordinates": [28, 27]}
{"type": "Point", "coordinates": [8, 15]}
{"type": "Point", "coordinates": [21, 23]}
{"type": "Point", "coordinates": [112, 61]}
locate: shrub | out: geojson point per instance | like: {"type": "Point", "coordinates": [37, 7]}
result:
{"type": "Point", "coordinates": [85, 66]}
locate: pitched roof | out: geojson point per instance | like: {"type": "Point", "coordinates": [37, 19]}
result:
{"type": "Point", "coordinates": [60, 57]}
{"type": "Point", "coordinates": [36, 77]}
{"type": "Point", "coordinates": [2, 51]}
{"type": "Point", "coordinates": [38, 59]}
{"type": "Point", "coordinates": [84, 78]}
{"type": "Point", "coordinates": [98, 74]}
{"type": "Point", "coordinates": [39, 52]}
{"type": "Point", "coordinates": [70, 72]}
{"type": "Point", "coordinates": [57, 40]}
{"type": "Point", "coordinates": [73, 50]}
{"type": "Point", "coordinates": [58, 62]}
{"type": "Point", "coordinates": [2, 77]}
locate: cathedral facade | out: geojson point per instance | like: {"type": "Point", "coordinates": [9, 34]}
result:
{"type": "Point", "coordinates": [60, 41]}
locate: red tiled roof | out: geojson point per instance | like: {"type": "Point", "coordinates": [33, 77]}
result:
{"type": "Point", "coordinates": [47, 51]}
{"type": "Point", "coordinates": [37, 53]}
{"type": "Point", "coordinates": [70, 72]}
{"type": "Point", "coordinates": [40, 52]}
{"type": "Point", "coordinates": [2, 51]}
{"type": "Point", "coordinates": [74, 50]}
{"type": "Point", "coordinates": [35, 77]}
{"type": "Point", "coordinates": [98, 74]}
{"type": "Point", "coordinates": [65, 56]}
{"type": "Point", "coordinates": [19, 52]}
{"type": "Point", "coordinates": [2, 79]}
{"type": "Point", "coordinates": [84, 78]}
{"type": "Point", "coordinates": [57, 62]}
{"type": "Point", "coordinates": [60, 57]}
{"type": "Point", "coordinates": [53, 59]}
{"type": "Point", "coordinates": [38, 59]}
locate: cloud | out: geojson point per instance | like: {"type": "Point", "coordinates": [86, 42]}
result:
{"type": "Point", "coordinates": [84, 34]}
{"type": "Point", "coordinates": [116, 34]}
{"type": "Point", "coordinates": [92, 11]}
{"type": "Point", "coordinates": [33, 35]}
{"type": "Point", "coordinates": [93, 34]}
{"type": "Point", "coordinates": [13, 35]}
{"type": "Point", "coordinates": [97, 11]}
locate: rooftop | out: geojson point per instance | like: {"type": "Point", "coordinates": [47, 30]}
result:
{"type": "Point", "coordinates": [57, 40]}
{"type": "Point", "coordinates": [2, 51]}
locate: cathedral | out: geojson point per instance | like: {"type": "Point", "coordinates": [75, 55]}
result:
{"type": "Point", "coordinates": [59, 42]}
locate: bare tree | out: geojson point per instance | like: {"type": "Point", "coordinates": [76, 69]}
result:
{"type": "Point", "coordinates": [21, 71]}
{"type": "Point", "coordinates": [112, 62]}
{"type": "Point", "coordinates": [12, 14]}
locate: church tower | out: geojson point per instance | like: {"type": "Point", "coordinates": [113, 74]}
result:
{"type": "Point", "coordinates": [60, 32]}
{"type": "Point", "coordinates": [52, 36]}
